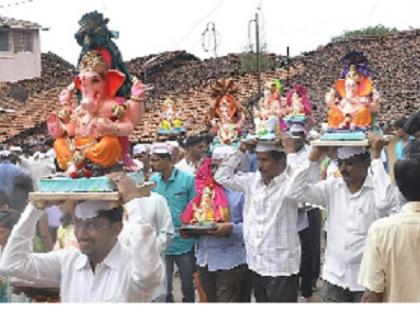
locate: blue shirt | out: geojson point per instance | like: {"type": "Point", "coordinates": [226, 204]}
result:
{"type": "Point", "coordinates": [178, 191]}
{"type": "Point", "coordinates": [8, 172]}
{"type": "Point", "coordinates": [224, 253]}
{"type": "Point", "coordinates": [400, 149]}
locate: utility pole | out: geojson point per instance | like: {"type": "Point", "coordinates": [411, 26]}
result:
{"type": "Point", "coordinates": [257, 51]}
{"type": "Point", "coordinates": [257, 40]}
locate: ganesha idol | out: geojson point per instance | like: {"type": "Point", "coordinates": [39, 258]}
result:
{"type": "Point", "coordinates": [96, 129]}
{"type": "Point", "coordinates": [271, 109]}
{"type": "Point", "coordinates": [171, 124]}
{"type": "Point", "coordinates": [298, 107]}
{"type": "Point", "coordinates": [352, 100]}
{"type": "Point", "coordinates": [227, 115]}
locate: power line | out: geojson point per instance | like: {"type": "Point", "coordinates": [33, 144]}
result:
{"type": "Point", "coordinates": [199, 22]}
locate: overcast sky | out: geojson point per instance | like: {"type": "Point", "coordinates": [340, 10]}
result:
{"type": "Point", "coordinates": [154, 26]}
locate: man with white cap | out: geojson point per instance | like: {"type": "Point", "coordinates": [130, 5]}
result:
{"type": "Point", "coordinates": [354, 201]}
{"type": "Point", "coordinates": [178, 189]}
{"type": "Point", "coordinates": [141, 157]}
{"type": "Point", "coordinates": [309, 218]}
{"type": "Point", "coordinates": [269, 221]}
{"type": "Point", "coordinates": [103, 270]}
{"type": "Point", "coordinates": [221, 255]}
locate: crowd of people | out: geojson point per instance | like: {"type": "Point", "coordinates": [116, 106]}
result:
{"type": "Point", "coordinates": [279, 198]}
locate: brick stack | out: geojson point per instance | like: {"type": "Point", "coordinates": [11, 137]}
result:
{"type": "Point", "coordinates": [394, 60]}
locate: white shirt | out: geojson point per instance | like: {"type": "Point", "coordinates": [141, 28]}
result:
{"type": "Point", "coordinates": [123, 276]}
{"type": "Point", "coordinates": [298, 159]}
{"type": "Point", "coordinates": [269, 218]}
{"type": "Point", "coordinates": [156, 210]}
{"type": "Point", "coordinates": [185, 166]}
{"type": "Point", "coordinates": [349, 218]}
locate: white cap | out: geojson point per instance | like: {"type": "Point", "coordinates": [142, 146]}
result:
{"type": "Point", "coordinates": [15, 149]}
{"type": "Point", "coordinates": [222, 152]}
{"type": "Point", "coordinates": [161, 148]}
{"type": "Point", "coordinates": [344, 153]}
{"type": "Point", "coordinates": [173, 144]}
{"type": "Point", "coordinates": [5, 153]}
{"type": "Point", "coordinates": [267, 147]}
{"type": "Point", "coordinates": [139, 149]}
{"type": "Point", "coordinates": [298, 128]}
{"type": "Point", "coordinates": [90, 209]}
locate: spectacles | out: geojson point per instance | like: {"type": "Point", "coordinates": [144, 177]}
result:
{"type": "Point", "coordinates": [91, 226]}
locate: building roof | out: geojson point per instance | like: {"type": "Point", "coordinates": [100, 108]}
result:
{"type": "Point", "coordinates": [6, 22]}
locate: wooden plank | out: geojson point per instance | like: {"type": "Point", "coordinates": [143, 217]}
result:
{"type": "Point", "coordinates": [340, 143]}
{"type": "Point", "coordinates": [58, 196]}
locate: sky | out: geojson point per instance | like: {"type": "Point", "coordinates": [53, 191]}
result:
{"type": "Point", "coordinates": [154, 26]}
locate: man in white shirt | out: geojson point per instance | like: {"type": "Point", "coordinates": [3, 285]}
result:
{"type": "Point", "coordinates": [158, 213]}
{"type": "Point", "coordinates": [354, 201]}
{"type": "Point", "coordinates": [309, 219]}
{"type": "Point", "coordinates": [103, 270]}
{"type": "Point", "coordinates": [269, 221]}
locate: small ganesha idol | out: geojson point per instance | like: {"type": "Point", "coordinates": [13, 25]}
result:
{"type": "Point", "coordinates": [171, 124]}
{"type": "Point", "coordinates": [352, 100]}
{"type": "Point", "coordinates": [299, 109]}
{"type": "Point", "coordinates": [267, 115]}
{"type": "Point", "coordinates": [210, 205]}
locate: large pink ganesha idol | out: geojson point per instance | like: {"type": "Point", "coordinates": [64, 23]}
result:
{"type": "Point", "coordinates": [97, 127]}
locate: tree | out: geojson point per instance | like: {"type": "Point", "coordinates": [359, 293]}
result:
{"type": "Point", "coordinates": [248, 61]}
{"type": "Point", "coordinates": [376, 30]}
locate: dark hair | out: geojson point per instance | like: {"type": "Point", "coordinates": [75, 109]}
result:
{"type": "Point", "coordinates": [207, 137]}
{"type": "Point", "coordinates": [413, 149]}
{"type": "Point", "coordinates": [8, 218]}
{"type": "Point", "coordinates": [23, 182]}
{"type": "Point", "coordinates": [193, 140]}
{"type": "Point", "coordinates": [412, 124]}
{"type": "Point", "coordinates": [277, 155]}
{"type": "Point", "coordinates": [407, 174]}
{"type": "Point", "coordinates": [399, 123]}
{"type": "Point", "coordinates": [113, 215]}
{"type": "Point", "coordinates": [364, 156]}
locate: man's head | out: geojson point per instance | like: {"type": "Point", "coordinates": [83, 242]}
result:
{"type": "Point", "coordinates": [271, 161]}
{"type": "Point", "coordinates": [353, 163]}
{"type": "Point", "coordinates": [398, 128]}
{"type": "Point", "coordinates": [298, 131]}
{"type": "Point", "coordinates": [160, 159]}
{"type": "Point", "coordinates": [175, 152]}
{"type": "Point", "coordinates": [195, 146]}
{"type": "Point", "coordinates": [97, 226]}
{"type": "Point", "coordinates": [407, 174]}
{"type": "Point", "coordinates": [8, 218]}
{"type": "Point", "coordinates": [4, 155]}
{"type": "Point", "coordinates": [218, 154]}
{"type": "Point", "coordinates": [140, 151]}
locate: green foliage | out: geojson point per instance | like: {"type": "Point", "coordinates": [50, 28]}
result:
{"type": "Point", "coordinates": [368, 31]}
{"type": "Point", "coordinates": [249, 62]}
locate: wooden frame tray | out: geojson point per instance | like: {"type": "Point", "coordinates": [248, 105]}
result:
{"type": "Point", "coordinates": [197, 229]}
{"type": "Point", "coordinates": [340, 143]}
